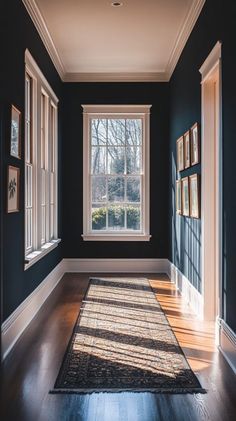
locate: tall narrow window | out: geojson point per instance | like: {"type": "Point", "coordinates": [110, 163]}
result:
{"type": "Point", "coordinates": [44, 166]}
{"type": "Point", "coordinates": [52, 175]}
{"type": "Point", "coordinates": [40, 164]}
{"type": "Point", "coordinates": [28, 166]}
{"type": "Point", "coordinates": [116, 177]}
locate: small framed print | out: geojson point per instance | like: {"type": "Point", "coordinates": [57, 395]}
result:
{"type": "Point", "coordinates": [15, 147]}
{"type": "Point", "coordinates": [195, 144]}
{"type": "Point", "coordinates": [13, 180]}
{"type": "Point", "coordinates": [185, 196]}
{"type": "Point", "coordinates": [194, 193]}
{"type": "Point", "coordinates": [187, 161]}
{"type": "Point", "coordinates": [180, 153]}
{"type": "Point", "coordinates": [178, 193]}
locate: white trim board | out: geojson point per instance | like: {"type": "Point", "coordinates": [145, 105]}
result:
{"type": "Point", "coordinates": [211, 61]}
{"type": "Point", "coordinates": [117, 265]}
{"type": "Point", "coordinates": [44, 34]}
{"type": "Point", "coordinates": [180, 42]}
{"type": "Point", "coordinates": [117, 77]}
{"type": "Point", "coordinates": [183, 36]}
{"type": "Point", "coordinates": [190, 294]}
{"type": "Point", "coordinates": [18, 321]}
{"type": "Point", "coordinates": [227, 344]}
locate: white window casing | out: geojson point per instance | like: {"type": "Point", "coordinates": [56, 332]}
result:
{"type": "Point", "coordinates": [41, 232]}
{"type": "Point", "coordinates": [110, 113]}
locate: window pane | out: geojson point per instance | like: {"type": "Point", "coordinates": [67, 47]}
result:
{"type": "Point", "coordinates": [98, 158]}
{"type": "Point", "coordinates": [43, 131]}
{"type": "Point", "coordinates": [52, 137]}
{"type": "Point", "coordinates": [116, 160]}
{"type": "Point", "coordinates": [27, 142]}
{"type": "Point", "coordinates": [133, 160]}
{"type": "Point", "coordinates": [116, 189]}
{"type": "Point", "coordinates": [134, 132]}
{"type": "Point", "coordinates": [99, 131]}
{"type": "Point", "coordinates": [116, 132]}
{"type": "Point", "coordinates": [133, 217]}
{"type": "Point", "coordinates": [98, 217]}
{"type": "Point", "coordinates": [133, 189]}
{"type": "Point", "coordinates": [99, 189]}
{"type": "Point", "coordinates": [116, 217]}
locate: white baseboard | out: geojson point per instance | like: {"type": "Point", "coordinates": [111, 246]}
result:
{"type": "Point", "coordinates": [187, 290]}
{"type": "Point", "coordinates": [227, 344]}
{"type": "Point", "coordinates": [117, 265]}
{"type": "Point", "coordinates": [17, 322]}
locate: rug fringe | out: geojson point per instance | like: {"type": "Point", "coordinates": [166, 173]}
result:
{"type": "Point", "coordinates": [151, 390]}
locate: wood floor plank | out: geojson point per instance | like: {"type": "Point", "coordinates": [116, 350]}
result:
{"type": "Point", "coordinates": [30, 370]}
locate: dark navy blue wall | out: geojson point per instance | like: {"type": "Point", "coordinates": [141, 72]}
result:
{"type": "Point", "coordinates": [185, 110]}
{"type": "Point", "coordinates": [76, 94]}
{"type": "Point", "coordinates": [216, 22]}
{"type": "Point", "coordinates": [228, 30]}
{"type": "Point", "coordinates": [17, 34]}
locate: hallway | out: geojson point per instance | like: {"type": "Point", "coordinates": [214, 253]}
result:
{"type": "Point", "coordinates": [30, 370]}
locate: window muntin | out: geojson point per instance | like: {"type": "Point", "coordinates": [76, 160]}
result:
{"type": "Point", "coordinates": [116, 177]}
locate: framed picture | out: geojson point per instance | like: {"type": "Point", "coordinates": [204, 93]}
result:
{"type": "Point", "coordinates": [195, 144]}
{"type": "Point", "coordinates": [180, 153]}
{"type": "Point", "coordinates": [13, 180]}
{"type": "Point", "coordinates": [194, 193]}
{"type": "Point", "coordinates": [187, 161]}
{"type": "Point", "coordinates": [15, 149]}
{"type": "Point", "coordinates": [178, 193]}
{"type": "Point", "coordinates": [185, 196]}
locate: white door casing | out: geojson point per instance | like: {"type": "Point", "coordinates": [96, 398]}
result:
{"type": "Point", "coordinates": [211, 191]}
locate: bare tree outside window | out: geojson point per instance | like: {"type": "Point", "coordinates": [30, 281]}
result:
{"type": "Point", "coordinates": [116, 164]}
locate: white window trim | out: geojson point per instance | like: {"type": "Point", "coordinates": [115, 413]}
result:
{"type": "Point", "coordinates": [139, 111]}
{"type": "Point", "coordinates": [40, 82]}
{"type": "Point", "coordinates": [36, 255]}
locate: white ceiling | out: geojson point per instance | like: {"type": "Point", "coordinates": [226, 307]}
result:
{"type": "Point", "coordinates": [92, 40]}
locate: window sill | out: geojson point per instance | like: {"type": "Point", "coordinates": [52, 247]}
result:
{"type": "Point", "coordinates": [36, 255]}
{"type": "Point", "coordinates": [117, 237]}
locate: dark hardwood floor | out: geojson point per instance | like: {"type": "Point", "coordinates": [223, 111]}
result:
{"type": "Point", "coordinates": [30, 370]}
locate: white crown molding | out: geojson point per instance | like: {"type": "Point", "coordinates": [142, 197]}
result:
{"type": "Point", "coordinates": [17, 322]}
{"type": "Point", "coordinates": [116, 77]}
{"type": "Point", "coordinates": [164, 76]}
{"type": "Point", "coordinates": [183, 35]}
{"type": "Point", "coordinates": [43, 31]}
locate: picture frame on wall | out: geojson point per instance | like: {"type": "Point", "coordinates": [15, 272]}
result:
{"type": "Point", "coordinates": [180, 153]}
{"type": "Point", "coordinates": [178, 193]}
{"type": "Point", "coordinates": [187, 155]}
{"type": "Point", "coordinates": [195, 144]}
{"type": "Point", "coordinates": [15, 144]}
{"type": "Point", "coordinates": [185, 196]}
{"type": "Point", "coordinates": [13, 181]}
{"type": "Point", "coordinates": [194, 193]}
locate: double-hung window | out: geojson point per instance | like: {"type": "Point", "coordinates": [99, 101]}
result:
{"type": "Point", "coordinates": [116, 172]}
{"type": "Point", "coordinates": [40, 164]}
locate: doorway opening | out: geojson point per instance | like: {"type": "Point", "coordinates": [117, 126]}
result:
{"type": "Point", "coordinates": [211, 190]}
